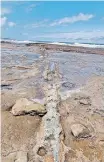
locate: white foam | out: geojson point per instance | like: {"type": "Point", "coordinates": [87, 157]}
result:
{"type": "Point", "coordinates": [58, 43]}
{"type": "Point", "coordinates": [79, 45]}
{"type": "Point", "coordinates": [88, 45]}
{"type": "Point", "coordinates": [16, 41]}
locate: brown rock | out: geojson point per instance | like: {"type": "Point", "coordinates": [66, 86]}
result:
{"type": "Point", "coordinates": [80, 131]}
{"type": "Point", "coordinates": [24, 106]}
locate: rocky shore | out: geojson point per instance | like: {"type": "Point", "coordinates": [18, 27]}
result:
{"type": "Point", "coordinates": [52, 103]}
{"type": "Point", "coordinates": [67, 48]}
{"type": "Point", "coordinates": [43, 47]}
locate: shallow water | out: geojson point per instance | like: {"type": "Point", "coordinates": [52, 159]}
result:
{"type": "Point", "coordinates": [14, 57]}
{"type": "Point", "coordinates": [77, 68]}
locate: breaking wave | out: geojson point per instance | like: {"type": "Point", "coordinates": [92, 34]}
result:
{"type": "Point", "coordinates": [16, 41]}
{"type": "Point", "coordinates": [90, 45]}
{"type": "Point", "coordinates": [80, 44]}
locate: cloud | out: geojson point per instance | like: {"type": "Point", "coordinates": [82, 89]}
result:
{"type": "Point", "coordinates": [43, 23]}
{"type": "Point", "coordinates": [5, 11]}
{"type": "Point", "coordinates": [73, 19]}
{"type": "Point", "coordinates": [3, 21]}
{"type": "Point", "coordinates": [66, 20]}
{"type": "Point", "coordinates": [11, 24]}
{"type": "Point", "coordinates": [30, 7]}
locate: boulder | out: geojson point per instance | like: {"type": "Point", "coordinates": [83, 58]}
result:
{"type": "Point", "coordinates": [24, 106]}
{"type": "Point", "coordinates": [80, 131]}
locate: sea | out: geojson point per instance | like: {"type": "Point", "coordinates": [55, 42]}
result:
{"type": "Point", "coordinates": [82, 44]}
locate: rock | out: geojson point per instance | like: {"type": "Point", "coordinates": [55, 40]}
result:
{"type": "Point", "coordinates": [49, 158]}
{"type": "Point", "coordinates": [68, 85]}
{"type": "Point", "coordinates": [62, 136]}
{"type": "Point", "coordinates": [100, 112]}
{"type": "Point", "coordinates": [8, 99]}
{"type": "Point", "coordinates": [85, 101]}
{"type": "Point", "coordinates": [49, 78]}
{"type": "Point", "coordinates": [24, 106]}
{"type": "Point", "coordinates": [45, 74]}
{"type": "Point", "coordinates": [6, 86]}
{"type": "Point", "coordinates": [80, 131]}
{"type": "Point", "coordinates": [70, 154]}
{"type": "Point", "coordinates": [41, 151]}
{"type": "Point", "coordinates": [19, 156]}
{"type": "Point", "coordinates": [10, 158]}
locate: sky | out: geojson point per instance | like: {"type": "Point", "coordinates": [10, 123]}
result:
{"type": "Point", "coordinates": [56, 21]}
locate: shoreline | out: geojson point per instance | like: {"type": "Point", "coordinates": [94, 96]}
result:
{"type": "Point", "coordinates": [57, 48]}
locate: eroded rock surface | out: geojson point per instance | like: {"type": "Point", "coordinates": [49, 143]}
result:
{"type": "Point", "coordinates": [19, 156]}
{"type": "Point", "coordinates": [24, 106]}
{"type": "Point", "coordinates": [54, 86]}
{"type": "Point", "coordinates": [80, 131]}
{"type": "Point", "coordinates": [82, 126]}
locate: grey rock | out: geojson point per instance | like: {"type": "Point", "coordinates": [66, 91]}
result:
{"type": "Point", "coordinates": [68, 85]}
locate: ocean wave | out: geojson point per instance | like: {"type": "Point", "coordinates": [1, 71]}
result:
{"type": "Point", "coordinates": [80, 44]}
{"type": "Point", "coordinates": [90, 45]}
{"type": "Point", "coordinates": [16, 41]}
{"type": "Point", "coordinates": [58, 43]}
